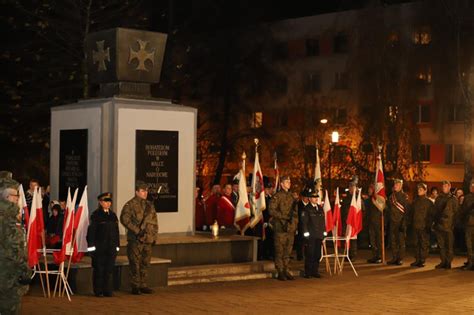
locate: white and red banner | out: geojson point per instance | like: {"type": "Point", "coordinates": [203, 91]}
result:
{"type": "Point", "coordinates": [25, 213]}
{"type": "Point", "coordinates": [359, 211]}
{"type": "Point", "coordinates": [317, 175]}
{"type": "Point", "coordinates": [379, 198]}
{"type": "Point", "coordinates": [277, 173]}
{"type": "Point", "coordinates": [337, 231]}
{"type": "Point", "coordinates": [81, 223]}
{"type": "Point", "coordinates": [68, 229]}
{"type": "Point", "coordinates": [328, 213]}
{"type": "Point", "coordinates": [242, 210]}
{"type": "Point", "coordinates": [258, 193]}
{"type": "Point", "coordinates": [351, 221]}
{"type": "Point", "coordinates": [35, 229]}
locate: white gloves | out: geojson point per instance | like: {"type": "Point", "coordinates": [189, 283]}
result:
{"type": "Point", "coordinates": [118, 248]}
{"type": "Point", "coordinates": [91, 249]}
{"type": "Point", "coordinates": [306, 234]}
{"type": "Point", "coordinates": [325, 233]}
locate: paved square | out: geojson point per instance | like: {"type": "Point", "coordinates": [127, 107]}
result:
{"type": "Point", "coordinates": [379, 289]}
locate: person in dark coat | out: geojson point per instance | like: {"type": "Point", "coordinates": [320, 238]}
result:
{"type": "Point", "coordinates": [302, 203]}
{"type": "Point", "coordinates": [103, 241]}
{"type": "Point", "coordinates": [313, 228]}
{"type": "Point", "coordinates": [54, 228]}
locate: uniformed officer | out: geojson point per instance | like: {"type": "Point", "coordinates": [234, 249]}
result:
{"type": "Point", "coordinates": [284, 221]}
{"type": "Point", "coordinates": [139, 217]}
{"type": "Point", "coordinates": [467, 220]}
{"type": "Point", "coordinates": [446, 206]}
{"type": "Point", "coordinates": [14, 272]}
{"type": "Point", "coordinates": [398, 208]}
{"type": "Point", "coordinates": [313, 228]}
{"type": "Point", "coordinates": [422, 218]}
{"type": "Point", "coordinates": [302, 203]}
{"type": "Point", "coordinates": [103, 241]}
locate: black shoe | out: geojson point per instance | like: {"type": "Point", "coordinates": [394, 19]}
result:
{"type": "Point", "coordinates": [108, 294]}
{"type": "Point", "coordinates": [136, 291]}
{"type": "Point", "coordinates": [421, 264]}
{"type": "Point", "coordinates": [447, 266]}
{"type": "Point", "coordinates": [289, 276]}
{"type": "Point", "coordinates": [317, 275]}
{"type": "Point", "coordinates": [281, 276]}
{"type": "Point", "coordinates": [392, 262]}
{"type": "Point", "coordinates": [146, 290]}
{"type": "Point", "coordinates": [440, 265]}
{"type": "Point", "coordinates": [415, 264]}
{"type": "Point", "coordinates": [399, 262]}
{"type": "Point", "coordinates": [374, 260]}
{"type": "Point", "coordinates": [98, 294]}
{"type": "Point", "coordinates": [307, 276]}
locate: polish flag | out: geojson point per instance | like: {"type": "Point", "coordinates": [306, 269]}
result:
{"type": "Point", "coordinates": [328, 214]}
{"type": "Point", "coordinates": [81, 223]}
{"type": "Point", "coordinates": [379, 198]}
{"type": "Point", "coordinates": [351, 222]}
{"type": "Point", "coordinates": [317, 175]}
{"type": "Point", "coordinates": [337, 216]}
{"type": "Point", "coordinates": [242, 210]}
{"type": "Point", "coordinates": [68, 228]}
{"type": "Point", "coordinates": [258, 193]}
{"type": "Point", "coordinates": [359, 212]}
{"type": "Point", "coordinates": [25, 214]}
{"type": "Point", "coordinates": [277, 172]}
{"type": "Point", "coordinates": [35, 229]}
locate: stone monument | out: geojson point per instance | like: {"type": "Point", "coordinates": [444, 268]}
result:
{"type": "Point", "coordinates": [125, 135]}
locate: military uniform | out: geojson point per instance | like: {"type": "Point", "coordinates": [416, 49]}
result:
{"type": "Point", "coordinates": [103, 238]}
{"type": "Point", "coordinates": [375, 230]}
{"type": "Point", "coordinates": [284, 220]}
{"type": "Point", "coordinates": [467, 218]}
{"type": "Point", "coordinates": [139, 217]}
{"type": "Point", "coordinates": [422, 218]}
{"type": "Point", "coordinates": [312, 222]}
{"type": "Point", "coordinates": [299, 237]}
{"type": "Point", "coordinates": [14, 271]}
{"type": "Point", "coordinates": [398, 208]}
{"type": "Point", "coordinates": [446, 206]}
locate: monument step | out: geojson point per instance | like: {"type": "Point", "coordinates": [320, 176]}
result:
{"type": "Point", "coordinates": [221, 269]}
{"type": "Point", "coordinates": [220, 278]}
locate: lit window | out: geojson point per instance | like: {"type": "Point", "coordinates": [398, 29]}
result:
{"type": "Point", "coordinates": [424, 76]}
{"type": "Point", "coordinates": [257, 120]}
{"type": "Point", "coordinates": [422, 36]}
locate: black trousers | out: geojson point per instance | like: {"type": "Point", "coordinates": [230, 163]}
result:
{"type": "Point", "coordinates": [103, 266]}
{"type": "Point", "coordinates": [312, 255]}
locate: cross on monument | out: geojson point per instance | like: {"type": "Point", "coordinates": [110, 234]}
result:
{"type": "Point", "coordinates": [142, 55]}
{"type": "Point", "coordinates": [100, 56]}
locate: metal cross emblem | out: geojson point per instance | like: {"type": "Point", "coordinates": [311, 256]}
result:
{"type": "Point", "coordinates": [100, 56]}
{"type": "Point", "coordinates": [142, 55]}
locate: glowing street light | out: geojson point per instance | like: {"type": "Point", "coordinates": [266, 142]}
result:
{"type": "Point", "coordinates": [335, 137]}
{"type": "Point", "coordinates": [323, 121]}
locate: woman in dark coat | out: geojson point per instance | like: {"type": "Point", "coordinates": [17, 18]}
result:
{"type": "Point", "coordinates": [103, 241]}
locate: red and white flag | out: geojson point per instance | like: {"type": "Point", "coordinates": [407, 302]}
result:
{"type": "Point", "coordinates": [328, 213]}
{"type": "Point", "coordinates": [81, 223]}
{"type": "Point", "coordinates": [337, 231]}
{"type": "Point", "coordinates": [25, 214]}
{"type": "Point", "coordinates": [351, 222]}
{"type": "Point", "coordinates": [359, 211]}
{"type": "Point", "coordinates": [277, 172]}
{"type": "Point", "coordinates": [317, 175]}
{"type": "Point", "coordinates": [68, 229]}
{"type": "Point", "coordinates": [379, 198]}
{"type": "Point", "coordinates": [258, 193]}
{"type": "Point", "coordinates": [35, 229]}
{"type": "Point", "coordinates": [242, 210]}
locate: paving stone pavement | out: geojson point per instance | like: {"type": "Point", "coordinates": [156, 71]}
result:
{"type": "Point", "coordinates": [378, 289]}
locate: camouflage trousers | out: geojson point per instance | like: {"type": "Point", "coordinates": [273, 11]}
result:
{"type": "Point", "coordinates": [446, 245]}
{"type": "Point", "coordinates": [139, 257]}
{"type": "Point", "coordinates": [469, 235]}
{"type": "Point", "coordinates": [375, 234]}
{"type": "Point", "coordinates": [422, 244]}
{"type": "Point", "coordinates": [283, 247]}
{"type": "Point", "coordinates": [397, 239]}
{"type": "Point", "coordinates": [10, 301]}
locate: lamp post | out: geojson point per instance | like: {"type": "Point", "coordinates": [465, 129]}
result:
{"type": "Point", "coordinates": [334, 141]}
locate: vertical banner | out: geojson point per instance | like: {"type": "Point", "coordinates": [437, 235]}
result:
{"type": "Point", "coordinates": [72, 160]}
{"type": "Point", "coordinates": [156, 158]}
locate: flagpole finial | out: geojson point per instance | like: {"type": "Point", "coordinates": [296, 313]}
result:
{"type": "Point", "coordinates": [317, 145]}
{"type": "Point", "coordinates": [380, 147]}
{"type": "Point", "coordinates": [244, 156]}
{"type": "Point", "coordinates": [256, 144]}
{"type": "Point", "coordinates": [275, 156]}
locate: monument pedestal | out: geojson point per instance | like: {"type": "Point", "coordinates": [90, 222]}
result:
{"type": "Point", "coordinates": [110, 143]}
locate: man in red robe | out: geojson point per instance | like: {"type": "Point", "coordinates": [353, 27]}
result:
{"type": "Point", "coordinates": [211, 205]}
{"type": "Point", "coordinates": [225, 208]}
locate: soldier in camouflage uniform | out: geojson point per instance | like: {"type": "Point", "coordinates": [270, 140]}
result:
{"type": "Point", "coordinates": [446, 206]}
{"type": "Point", "coordinates": [139, 217]}
{"type": "Point", "coordinates": [284, 221]}
{"type": "Point", "coordinates": [14, 272]}
{"type": "Point", "coordinates": [467, 220]}
{"type": "Point", "coordinates": [422, 218]}
{"type": "Point", "coordinates": [398, 207]}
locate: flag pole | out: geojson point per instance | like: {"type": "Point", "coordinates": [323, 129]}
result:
{"type": "Point", "coordinates": [383, 212]}
{"type": "Point", "coordinates": [244, 156]}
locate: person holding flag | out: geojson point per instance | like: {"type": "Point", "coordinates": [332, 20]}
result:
{"type": "Point", "coordinates": [375, 229]}
{"type": "Point", "coordinates": [398, 208]}
{"type": "Point", "coordinates": [284, 221]}
{"type": "Point", "coordinates": [103, 240]}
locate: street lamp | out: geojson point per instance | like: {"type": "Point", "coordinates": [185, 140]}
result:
{"type": "Point", "coordinates": [323, 121]}
{"type": "Point", "coordinates": [334, 141]}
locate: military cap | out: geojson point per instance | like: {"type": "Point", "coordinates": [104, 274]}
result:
{"type": "Point", "coordinates": [105, 196]}
{"type": "Point", "coordinates": [446, 182]}
{"type": "Point", "coordinates": [235, 181]}
{"type": "Point", "coordinates": [422, 185]}
{"type": "Point", "coordinates": [354, 181]}
{"type": "Point", "coordinates": [398, 180]}
{"type": "Point", "coordinates": [140, 185]}
{"type": "Point", "coordinates": [285, 177]}
{"type": "Point", "coordinates": [8, 183]}
{"type": "Point", "coordinates": [312, 192]}
{"type": "Point", "coordinates": [6, 174]}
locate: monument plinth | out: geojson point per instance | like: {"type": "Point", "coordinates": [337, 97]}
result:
{"type": "Point", "coordinates": [125, 135]}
